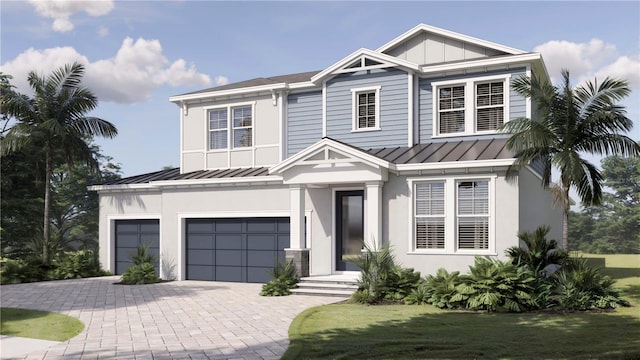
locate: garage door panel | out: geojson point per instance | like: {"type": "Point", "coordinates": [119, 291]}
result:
{"type": "Point", "coordinates": [228, 226]}
{"type": "Point", "coordinates": [201, 257]}
{"type": "Point", "coordinates": [127, 240]}
{"type": "Point", "coordinates": [229, 273]}
{"type": "Point", "coordinates": [149, 239]}
{"type": "Point", "coordinates": [261, 258]}
{"type": "Point", "coordinates": [261, 242]}
{"type": "Point", "coordinates": [258, 274]}
{"type": "Point", "coordinates": [197, 272]}
{"type": "Point", "coordinates": [129, 234]}
{"type": "Point", "coordinates": [199, 241]}
{"type": "Point", "coordinates": [229, 242]}
{"type": "Point", "coordinates": [237, 249]}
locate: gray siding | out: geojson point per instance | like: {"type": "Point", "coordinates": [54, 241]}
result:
{"type": "Point", "coordinates": [393, 108]}
{"type": "Point", "coordinates": [517, 103]}
{"type": "Point", "coordinates": [304, 123]}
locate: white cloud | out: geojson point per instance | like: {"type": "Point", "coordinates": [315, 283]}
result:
{"type": "Point", "coordinates": [103, 31]}
{"type": "Point", "coordinates": [61, 10]}
{"type": "Point", "coordinates": [130, 76]}
{"type": "Point", "coordinates": [588, 60]}
{"type": "Point", "coordinates": [221, 80]}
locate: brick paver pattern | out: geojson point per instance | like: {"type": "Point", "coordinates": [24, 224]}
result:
{"type": "Point", "coordinates": [171, 320]}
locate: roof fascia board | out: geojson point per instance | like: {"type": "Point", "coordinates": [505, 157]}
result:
{"type": "Point", "coordinates": [529, 57]}
{"type": "Point", "coordinates": [393, 61]}
{"type": "Point", "coordinates": [453, 165]}
{"type": "Point", "coordinates": [120, 187]}
{"type": "Point", "coordinates": [450, 34]}
{"type": "Point", "coordinates": [187, 183]}
{"type": "Point", "coordinates": [268, 87]}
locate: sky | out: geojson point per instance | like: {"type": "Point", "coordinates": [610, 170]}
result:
{"type": "Point", "coordinates": [139, 53]}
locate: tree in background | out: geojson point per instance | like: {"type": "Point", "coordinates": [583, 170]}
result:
{"type": "Point", "coordinates": [572, 122]}
{"type": "Point", "coordinates": [55, 121]}
{"type": "Point", "coordinates": [613, 227]}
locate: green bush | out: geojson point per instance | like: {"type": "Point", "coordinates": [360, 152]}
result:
{"type": "Point", "coordinates": [144, 273]}
{"type": "Point", "coordinates": [284, 279]}
{"type": "Point", "coordinates": [418, 296]}
{"type": "Point", "coordinates": [441, 288]}
{"type": "Point", "coordinates": [142, 255]}
{"type": "Point", "coordinates": [400, 283]}
{"type": "Point", "coordinates": [77, 264]}
{"type": "Point", "coordinates": [375, 269]}
{"type": "Point", "coordinates": [493, 285]}
{"type": "Point", "coordinates": [16, 271]}
{"type": "Point", "coordinates": [582, 287]}
{"type": "Point", "coordinates": [535, 251]}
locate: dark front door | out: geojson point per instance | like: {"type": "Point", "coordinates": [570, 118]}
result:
{"type": "Point", "coordinates": [349, 228]}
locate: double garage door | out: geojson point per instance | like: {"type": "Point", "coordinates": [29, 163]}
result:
{"type": "Point", "coordinates": [238, 249]}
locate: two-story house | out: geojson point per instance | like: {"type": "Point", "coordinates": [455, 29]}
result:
{"type": "Point", "coordinates": [395, 145]}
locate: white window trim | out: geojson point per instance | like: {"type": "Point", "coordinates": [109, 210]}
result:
{"type": "Point", "coordinates": [354, 108]}
{"type": "Point", "coordinates": [469, 103]}
{"type": "Point", "coordinates": [230, 127]}
{"type": "Point", "coordinates": [450, 210]}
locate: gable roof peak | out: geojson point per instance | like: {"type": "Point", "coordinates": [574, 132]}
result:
{"type": "Point", "coordinates": [450, 34]}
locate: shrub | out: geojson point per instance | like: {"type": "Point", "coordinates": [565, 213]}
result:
{"type": "Point", "coordinates": [16, 271]}
{"type": "Point", "coordinates": [284, 279]}
{"type": "Point", "coordinates": [142, 255]}
{"type": "Point", "coordinates": [441, 288]}
{"type": "Point", "coordinates": [418, 296]}
{"type": "Point", "coordinates": [375, 269]}
{"type": "Point", "coordinates": [400, 283]}
{"type": "Point", "coordinates": [494, 285]}
{"type": "Point", "coordinates": [144, 273]}
{"type": "Point", "coordinates": [535, 251]}
{"type": "Point", "coordinates": [582, 287]}
{"type": "Point", "coordinates": [77, 264]}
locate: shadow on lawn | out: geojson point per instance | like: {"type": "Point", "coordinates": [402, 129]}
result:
{"type": "Point", "coordinates": [463, 335]}
{"type": "Point", "coordinates": [621, 273]}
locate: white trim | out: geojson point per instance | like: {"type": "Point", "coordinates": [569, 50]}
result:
{"type": "Point", "coordinates": [230, 180]}
{"type": "Point", "coordinates": [449, 34]}
{"type": "Point", "coordinates": [470, 108]}
{"type": "Point", "coordinates": [121, 187]}
{"type": "Point", "coordinates": [282, 125]}
{"type": "Point", "coordinates": [453, 165]}
{"type": "Point", "coordinates": [451, 216]}
{"type": "Point", "coordinates": [324, 109]}
{"type": "Point", "coordinates": [410, 101]}
{"type": "Point", "coordinates": [334, 224]}
{"type": "Point", "coordinates": [183, 109]}
{"type": "Point", "coordinates": [215, 93]}
{"type": "Point", "coordinates": [481, 63]}
{"type": "Point", "coordinates": [354, 108]}
{"type": "Point", "coordinates": [527, 99]}
{"type": "Point", "coordinates": [111, 235]}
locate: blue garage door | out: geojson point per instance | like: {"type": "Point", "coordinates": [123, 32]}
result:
{"type": "Point", "coordinates": [238, 250]}
{"type": "Point", "coordinates": [132, 233]}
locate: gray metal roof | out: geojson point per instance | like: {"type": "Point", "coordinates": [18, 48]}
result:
{"type": "Point", "coordinates": [174, 174]}
{"type": "Point", "coordinates": [289, 79]}
{"type": "Point", "coordinates": [445, 151]}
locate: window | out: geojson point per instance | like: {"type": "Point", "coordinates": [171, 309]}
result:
{"type": "Point", "coordinates": [470, 106]}
{"type": "Point", "coordinates": [366, 109]}
{"type": "Point", "coordinates": [239, 127]}
{"type": "Point", "coordinates": [429, 215]}
{"type": "Point", "coordinates": [453, 215]}
{"type": "Point", "coordinates": [451, 109]}
{"type": "Point", "coordinates": [473, 214]}
{"type": "Point", "coordinates": [218, 129]}
{"type": "Point", "coordinates": [242, 127]}
{"type": "Point", "coordinates": [489, 105]}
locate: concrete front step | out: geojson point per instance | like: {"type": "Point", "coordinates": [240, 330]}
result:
{"type": "Point", "coordinates": [327, 285]}
{"type": "Point", "coordinates": [332, 285]}
{"type": "Point", "coordinates": [322, 292]}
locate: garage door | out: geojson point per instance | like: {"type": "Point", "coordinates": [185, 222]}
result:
{"type": "Point", "coordinates": [239, 250]}
{"type": "Point", "coordinates": [132, 233]}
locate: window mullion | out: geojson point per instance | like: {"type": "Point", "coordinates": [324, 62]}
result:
{"type": "Point", "coordinates": [469, 104]}
{"type": "Point", "coordinates": [450, 216]}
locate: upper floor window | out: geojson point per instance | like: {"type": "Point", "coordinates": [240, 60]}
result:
{"type": "Point", "coordinates": [366, 108]}
{"type": "Point", "coordinates": [232, 125]}
{"type": "Point", "coordinates": [470, 106]}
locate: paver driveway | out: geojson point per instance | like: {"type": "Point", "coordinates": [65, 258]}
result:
{"type": "Point", "coordinates": [172, 320]}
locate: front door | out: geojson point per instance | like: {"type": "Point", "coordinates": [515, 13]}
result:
{"type": "Point", "coordinates": [349, 228]}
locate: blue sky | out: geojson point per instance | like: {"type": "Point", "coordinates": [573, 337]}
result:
{"type": "Point", "coordinates": [138, 53]}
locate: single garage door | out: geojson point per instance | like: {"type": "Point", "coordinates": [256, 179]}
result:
{"type": "Point", "coordinates": [238, 250]}
{"type": "Point", "coordinates": [132, 233]}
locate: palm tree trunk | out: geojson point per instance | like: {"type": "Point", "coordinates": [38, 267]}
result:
{"type": "Point", "coordinates": [566, 205]}
{"type": "Point", "coordinates": [47, 205]}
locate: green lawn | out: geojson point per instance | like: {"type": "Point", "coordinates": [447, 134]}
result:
{"type": "Point", "coordinates": [38, 324]}
{"type": "Point", "coordinates": [347, 331]}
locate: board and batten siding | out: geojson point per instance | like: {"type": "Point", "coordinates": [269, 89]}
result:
{"type": "Point", "coordinates": [304, 121]}
{"type": "Point", "coordinates": [517, 103]}
{"type": "Point", "coordinates": [393, 108]}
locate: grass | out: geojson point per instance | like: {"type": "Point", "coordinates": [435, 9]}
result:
{"type": "Point", "coordinates": [347, 331]}
{"type": "Point", "coordinates": [38, 324]}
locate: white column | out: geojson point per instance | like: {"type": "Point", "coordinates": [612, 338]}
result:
{"type": "Point", "coordinates": [373, 215]}
{"type": "Point", "coordinates": [296, 194]}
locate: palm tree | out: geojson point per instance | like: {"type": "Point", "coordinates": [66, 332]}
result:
{"type": "Point", "coordinates": [571, 122]}
{"type": "Point", "coordinates": [54, 119]}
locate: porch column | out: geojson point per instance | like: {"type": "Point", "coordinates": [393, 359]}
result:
{"type": "Point", "coordinates": [297, 251]}
{"type": "Point", "coordinates": [373, 213]}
